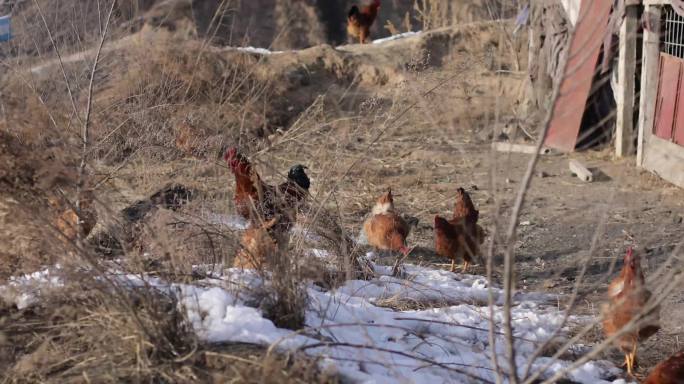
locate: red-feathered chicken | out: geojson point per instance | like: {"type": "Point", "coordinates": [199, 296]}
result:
{"type": "Point", "coordinates": [627, 301]}
{"type": "Point", "coordinates": [360, 20]}
{"type": "Point", "coordinates": [385, 229]}
{"type": "Point", "coordinates": [259, 246]}
{"type": "Point", "coordinates": [460, 237]}
{"type": "Point", "coordinates": [253, 196]}
{"type": "Point", "coordinates": [670, 371]}
{"type": "Point", "coordinates": [67, 221]}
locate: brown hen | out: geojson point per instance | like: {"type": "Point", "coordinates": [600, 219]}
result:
{"type": "Point", "coordinates": [385, 229]}
{"type": "Point", "coordinates": [460, 237]}
{"type": "Point", "coordinates": [259, 246]}
{"type": "Point", "coordinates": [670, 371]}
{"type": "Point", "coordinates": [627, 300]}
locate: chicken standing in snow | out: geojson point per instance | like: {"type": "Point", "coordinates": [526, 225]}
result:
{"type": "Point", "coordinates": [460, 237]}
{"type": "Point", "coordinates": [385, 229]}
{"type": "Point", "coordinates": [360, 20]}
{"type": "Point", "coordinates": [627, 301]}
{"type": "Point", "coordinates": [670, 371]}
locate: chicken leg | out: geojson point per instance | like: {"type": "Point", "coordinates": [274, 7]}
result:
{"type": "Point", "coordinates": [453, 265]}
{"type": "Point", "coordinates": [466, 264]}
{"type": "Point", "coordinates": [630, 360]}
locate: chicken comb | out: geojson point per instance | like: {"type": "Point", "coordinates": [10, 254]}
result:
{"type": "Point", "coordinates": [231, 153]}
{"type": "Point", "coordinates": [630, 256]}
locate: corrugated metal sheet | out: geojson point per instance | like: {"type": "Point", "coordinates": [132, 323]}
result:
{"type": "Point", "coordinates": [679, 126]}
{"type": "Point", "coordinates": [579, 74]}
{"type": "Point", "coordinates": [678, 135]}
{"type": "Point", "coordinates": [666, 103]}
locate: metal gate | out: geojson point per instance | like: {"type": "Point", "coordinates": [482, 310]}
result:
{"type": "Point", "coordinates": [669, 113]}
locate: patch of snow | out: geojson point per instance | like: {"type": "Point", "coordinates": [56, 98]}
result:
{"type": "Point", "coordinates": [306, 233]}
{"type": "Point", "coordinates": [396, 37]}
{"type": "Point", "coordinates": [24, 291]}
{"type": "Point", "coordinates": [363, 341]}
{"type": "Point", "coordinates": [353, 329]}
{"type": "Point", "coordinates": [431, 285]}
{"type": "Point", "coordinates": [234, 222]}
{"type": "Point", "coordinates": [320, 253]}
{"type": "Point", "coordinates": [256, 50]}
{"type": "Point", "coordinates": [362, 239]}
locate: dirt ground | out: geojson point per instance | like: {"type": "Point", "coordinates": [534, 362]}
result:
{"type": "Point", "coordinates": [419, 115]}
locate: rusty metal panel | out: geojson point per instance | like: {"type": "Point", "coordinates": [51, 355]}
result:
{"type": "Point", "coordinates": [583, 54]}
{"type": "Point", "coordinates": [679, 130]}
{"type": "Point", "coordinates": [666, 103]}
{"type": "Point", "coordinates": [678, 135]}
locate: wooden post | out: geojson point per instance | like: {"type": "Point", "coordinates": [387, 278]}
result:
{"type": "Point", "coordinates": [624, 138]}
{"type": "Point", "coordinates": [650, 68]}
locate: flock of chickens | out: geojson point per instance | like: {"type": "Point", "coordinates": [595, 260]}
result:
{"type": "Point", "coordinates": [628, 316]}
{"type": "Point", "coordinates": [271, 211]}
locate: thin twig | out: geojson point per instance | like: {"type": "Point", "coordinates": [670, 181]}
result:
{"type": "Point", "coordinates": [86, 125]}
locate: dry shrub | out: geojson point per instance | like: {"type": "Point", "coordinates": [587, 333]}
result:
{"type": "Point", "coordinates": [29, 180]}
{"type": "Point", "coordinates": [96, 332]}
{"type": "Point", "coordinates": [148, 85]}
{"type": "Point", "coordinates": [168, 83]}
{"type": "Point", "coordinates": [170, 243]}
{"type": "Point", "coordinates": [299, 25]}
{"type": "Point", "coordinates": [287, 300]}
{"type": "Point", "coordinates": [250, 364]}
{"type": "Point", "coordinates": [101, 336]}
{"type": "Point", "coordinates": [85, 18]}
{"type": "Point", "coordinates": [444, 13]}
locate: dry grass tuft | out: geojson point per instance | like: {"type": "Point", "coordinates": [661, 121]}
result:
{"type": "Point", "coordinates": [99, 336]}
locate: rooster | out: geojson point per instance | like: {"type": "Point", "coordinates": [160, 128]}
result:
{"type": "Point", "coordinates": [296, 188]}
{"type": "Point", "coordinates": [250, 190]}
{"type": "Point", "coordinates": [360, 20]}
{"type": "Point", "coordinates": [386, 230]}
{"type": "Point", "coordinates": [267, 200]}
{"type": "Point", "coordinates": [460, 237]}
{"type": "Point", "coordinates": [627, 299]}
{"type": "Point", "coordinates": [670, 371]}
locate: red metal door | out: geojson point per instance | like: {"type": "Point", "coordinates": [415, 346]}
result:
{"type": "Point", "coordinates": [575, 87]}
{"type": "Point", "coordinates": [668, 97]}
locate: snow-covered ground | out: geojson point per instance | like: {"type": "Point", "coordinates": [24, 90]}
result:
{"type": "Point", "coordinates": [266, 51]}
{"type": "Point", "coordinates": [354, 331]}
{"type": "Point", "coordinates": [396, 37]}
{"type": "Point", "coordinates": [256, 50]}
